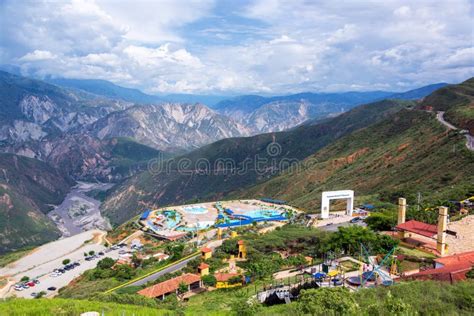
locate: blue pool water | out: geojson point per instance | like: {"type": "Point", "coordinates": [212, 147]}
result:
{"type": "Point", "coordinates": [265, 213]}
{"type": "Point", "coordinates": [172, 221]}
{"type": "Point", "coordinates": [195, 209]}
{"type": "Point", "coordinates": [198, 225]}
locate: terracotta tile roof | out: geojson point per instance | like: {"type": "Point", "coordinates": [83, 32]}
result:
{"type": "Point", "coordinates": [169, 286]}
{"type": "Point", "coordinates": [461, 258]}
{"type": "Point", "coordinates": [203, 266]}
{"type": "Point", "coordinates": [206, 249]}
{"type": "Point", "coordinates": [419, 228]}
{"type": "Point", "coordinates": [451, 273]}
{"type": "Point", "coordinates": [223, 277]}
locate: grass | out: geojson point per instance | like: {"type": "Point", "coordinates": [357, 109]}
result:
{"type": "Point", "coordinates": [57, 306]}
{"type": "Point", "coordinates": [349, 266]}
{"type": "Point", "coordinates": [414, 252]}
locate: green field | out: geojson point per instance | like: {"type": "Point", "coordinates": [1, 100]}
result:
{"type": "Point", "coordinates": [57, 306]}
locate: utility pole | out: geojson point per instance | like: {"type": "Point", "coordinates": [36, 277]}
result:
{"type": "Point", "coordinates": [418, 201]}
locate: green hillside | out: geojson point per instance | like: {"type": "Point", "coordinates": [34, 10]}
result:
{"type": "Point", "coordinates": [27, 189]}
{"type": "Point", "coordinates": [409, 152]}
{"type": "Point", "coordinates": [58, 306]}
{"type": "Point", "coordinates": [457, 101]}
{"type": "Point", "coordinates": [151, 189]}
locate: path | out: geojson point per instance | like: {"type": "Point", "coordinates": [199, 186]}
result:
{"type": "Point", "coordinates": [158, 274]}
{"type": "Point", "coordinates": [175, 267]}
{"type": "Point", "coordinates": [469, 138]}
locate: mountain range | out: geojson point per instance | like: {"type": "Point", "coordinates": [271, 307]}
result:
{"type": "Point", "coordinates": [52, 135]}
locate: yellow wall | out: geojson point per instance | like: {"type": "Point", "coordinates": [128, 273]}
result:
{"type": "Point", "coordinates": [226, 285]}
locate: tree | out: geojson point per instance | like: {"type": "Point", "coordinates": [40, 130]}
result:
{"type": "Point", "coordinates": [182, 288]}
{"type": "Point", "coordinates": [327, 301]}
{"type": "Point", "coordinates": [124, 272]}
{"type": "Point", "coordinates": [136, 261]}
{"type": "Point", "coordinates": [91, 253]}
{"type": "Point", "coordinates": [66, 261]}
{"type": "Point", "coordinates": [209, 280]}
{"type": "Point", "coordinates": [381, 221]}
{"type": "Point", "coordinates": [25, 279]}
{"type": "Point", "coordinates": [106, 263]}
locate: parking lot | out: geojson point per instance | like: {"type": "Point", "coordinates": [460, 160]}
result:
{"type": "Point", "coordinates": [41, 264]}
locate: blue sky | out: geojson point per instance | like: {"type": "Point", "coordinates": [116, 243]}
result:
{"type": "Point", "coordinates": [235, 47]}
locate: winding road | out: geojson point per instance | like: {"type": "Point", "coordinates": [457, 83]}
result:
{"type": "Point", "coordinates": [469, 137]}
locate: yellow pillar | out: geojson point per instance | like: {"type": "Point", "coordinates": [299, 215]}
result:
{"type": "Point", "coordinates": [442, 226]}
{"type": "Point", "coordinates": [402, 210]}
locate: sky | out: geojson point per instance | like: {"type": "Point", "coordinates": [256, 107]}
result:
{"type": "Point", "coordinates": [240, 47]}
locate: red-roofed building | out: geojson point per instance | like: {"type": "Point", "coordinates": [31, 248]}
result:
{"type": "Point", "coordinates": [206, 253]}
{"type": "Point", "coordinates": [222, 280]}
{"type": "Point", "coordinates": [450, 269]}
{"type": "Point", "coordinates": [160, 290]}
{"type": "Point", "coordinates": [466, 258]}
{"type": "Point", "coordinates": [203, 269]}
{"type": "Point", "coordinates": [418, 228]}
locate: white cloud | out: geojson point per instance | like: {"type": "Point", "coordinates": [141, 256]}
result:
{"type": "Point", "coordinates": [38, 55]}
{"type": "Point", "coordinates": [267, 46]}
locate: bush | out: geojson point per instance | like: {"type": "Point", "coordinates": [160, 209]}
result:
{"type": "Point", "coordinates": [66, 261]}
{"type": "Point", "coordinates": [327, 301]}
{"type": "Point", "coordinates": [381, 221]}
{"type": "Point", "coordinates": [106, 263]}
{"type": "Point", "coordinates": [209, 280]}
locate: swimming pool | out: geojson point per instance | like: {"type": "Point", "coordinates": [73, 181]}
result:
{"type": "Point", "coordinates": [195, 209]}
{"type": "Point", "coordinates": [198, 225]}
{"type": "Point", "coordinates": [263, 213]}
{"type": "Point", "coordinates": [172, 219]}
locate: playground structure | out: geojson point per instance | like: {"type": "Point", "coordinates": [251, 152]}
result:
{"type": "Point", "coordinates": [176, 222]}
{"type": "Point", "coordinates": [327, 196]}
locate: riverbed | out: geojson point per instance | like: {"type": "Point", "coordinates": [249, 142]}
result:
{"type": "Point", "coordinates": [79, 212]}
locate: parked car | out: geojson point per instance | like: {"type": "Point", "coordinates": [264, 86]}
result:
{"type": "Point", "coordinates": [31, 284]}
{"type": "Point", "coordinates": [51, 288]}
{"type": "Point", "coordinates": [355, 220]}
{"type": "Point", "coordinates": [34, 294]}
{"type": "Point", "coordinates": [36, 281]}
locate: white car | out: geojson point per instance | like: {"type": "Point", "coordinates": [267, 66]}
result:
{"type": "Point", "coordinates": [18, 288]}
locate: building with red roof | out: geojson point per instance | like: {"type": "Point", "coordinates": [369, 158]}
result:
{"type": "Point", "coordinates": [418, 228]}
{"type": "Point", "coordinates": [222, 280]}
{"type": "Point", "coordinates": [449, 269]}
{"type": "Point", "coordinates": [466, 258]}
{"type": "Point", "coordinates": [161, 290]}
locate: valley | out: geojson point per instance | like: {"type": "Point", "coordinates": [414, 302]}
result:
{"type": "Point", "coordinates": [79, 212]}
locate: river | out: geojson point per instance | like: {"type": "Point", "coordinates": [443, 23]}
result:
{"type": "Point", "coordinates": [79, 212]}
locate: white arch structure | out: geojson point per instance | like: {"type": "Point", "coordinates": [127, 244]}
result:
{"type": "Point", "coordinates": [327, 196]}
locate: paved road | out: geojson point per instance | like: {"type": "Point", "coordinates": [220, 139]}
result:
{"type": "Point", "coordinates": [334, 227]}
{"type": "Point", "coordinates": [469, 138]}
{"type": "Point", "coordinates": [213, 244]}
{"type": "Point", "coordinates": [156, 275]}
